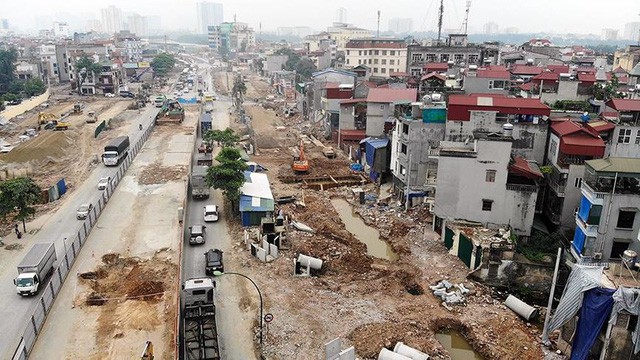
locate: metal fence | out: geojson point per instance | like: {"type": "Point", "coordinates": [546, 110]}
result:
{"type": "Point", "coordinates": [72, 248]}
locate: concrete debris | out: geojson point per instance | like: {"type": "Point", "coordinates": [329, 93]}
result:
{"type": "Point", "coordinates": [453, 297]}
{"type": "Point", "coordinates": [302, 227]}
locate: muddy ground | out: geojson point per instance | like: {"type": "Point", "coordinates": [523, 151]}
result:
{"type": "Point", "coordinates": [368, 302]}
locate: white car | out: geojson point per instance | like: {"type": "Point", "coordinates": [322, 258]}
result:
{"type": "Point", "coordinates": [210, 213]}
{"type": "Point", "coordinates": [83, 211]}
{"type": "Point", "coordinates": [110, 95]}
{"type": "Point", "coordinates": [6, 148]}
{"type": "Point", "coordinates": [103, 183]}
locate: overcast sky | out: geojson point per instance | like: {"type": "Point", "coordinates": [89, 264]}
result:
{"type": "Point", "coordinates": [552, 16]}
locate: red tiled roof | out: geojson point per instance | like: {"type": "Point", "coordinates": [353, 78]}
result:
{"type": "Point", "coordinates": [566, 127]}
{"type": "Point", "coordinates": [558, 69]}
{"type": "Point", "coordinates": [521, 167]}
{"type": "Point", "coordinates": [547, 75]}
{"type": "Point", "coordinates": [493, 74]}
{"type": "Point", "coordinates": [398, 74]}
{"type": "Point", "coordinates": [331, 85]}
{"type": "Point", "coordinates": [433, 74]}
{"type": "Point", "coordinates": [436, 67]}
{"type": "Point", "coordinates": [587, 77]}
{"type": "Point", "coordinates": [388, 95]}
{"type": "Point", "coordinates": [586, 69]}
{"type": "Point", "coordinates": [460, 106]}
{"type": "Point", "coordinates": [581, 144]}
{"type": "Point", "coordinates": [619, 70]}
{"type": "Point", "coordinates": [352, 101]}
{"type": "Point", "coordinates": [624, 104]}
{"type": "Point", "coordinates": [526, 70]}
{"type": "Point", "coordinates": [352, 135]}
{"type": "Point", "coordinates": [526, 87]}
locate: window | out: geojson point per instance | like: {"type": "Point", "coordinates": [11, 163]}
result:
{"type": "Point", "coordinates": [490, 176]}
{"type": "Point", "coordinates": [384, 52]}
{"type": "Point", "coordinates": [370, 52]}
{"type": "Point", "coordinates": [626, 219]}
{"type": "Point", "coordinates": [444, 57]}
{"type": "Point", "coordinates": [359, 61]}
{"type": "Point", "coordinates": [393, 62]}
{"type": "Point", "coordinates": [624, 136]}
{"type": "Point", "coordinates": [486, 204]}
{"type": "Point", "coordinates": [405, 128]}
{"type": "Point", "coordinates": [347, 52]}
{"type": "Point", "coordinates": [383, 70]}
{"type": "Point", "coordinates": [496, 84]}
{"type": "Point", "coordinates": [637, 133]}
{"type": "Point", "coordinates": [402, 170]}
{"type": "Point", "coordinates": [347, 61]}
{"type": "Point", "coordinates": [375, 61]}
{"type": "Point", "coordinates": [553, 148]}
{"type": "Point", "coordinates": [618, 248]}
{"type": "Point", "coordinates": [369, 61]}
{"type": "Point", "coordinates": [416, 57]}
{"type": "Point", "coordinates": [383, 61]}
{"type": "Point", "coordinates": [403, 148]}
{"type": "Point", "coordinates": [577, 182]}
{"type": "Point", "coordinates": [375, 70]}
{"type": "Point", "coordinates": [376, 52]}
{"type": "Point", "coordinates": [392, 52]}
{"type": "Point", "coordinates": [360, 52]}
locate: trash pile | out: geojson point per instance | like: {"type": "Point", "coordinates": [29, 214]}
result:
{"type": "Point", "coordinates": [451, 294]}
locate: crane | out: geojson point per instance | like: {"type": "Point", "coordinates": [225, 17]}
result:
{"type": "Point", "coordinates": [465, 23]}
{"type": "Point", "coordinates": [300, 163]}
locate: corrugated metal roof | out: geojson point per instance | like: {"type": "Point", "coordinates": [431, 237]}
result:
{"type": "Point", "coordinates": [616, 165]}
{"type": "Point", "coordinates": [376, 143]}
{"type": "Point", "coordinates": [256, 185]}
{"type": "Point", "coordinates": [389, 95]}
{"type": "Point", "coordinates": [250, 203]}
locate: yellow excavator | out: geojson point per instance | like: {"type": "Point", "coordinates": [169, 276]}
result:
{"type": "Point", "coordinates": [53, 121]}
{"type": "Point", "coordinates": [43, 118]}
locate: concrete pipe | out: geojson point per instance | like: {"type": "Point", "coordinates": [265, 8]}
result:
{"type": "Point", "coordinates": [386, 354]}
{"type": "Point", "coordinates": [408, 351]}
{"type": "Point", "coordinates": [310, 262]}
{"type": "Point", "coordinates": [521, 308]}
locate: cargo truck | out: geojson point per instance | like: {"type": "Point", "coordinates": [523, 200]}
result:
{"type": "Point", "coordinates": [199, 186]}
{"type": "Point", "coordinates": [205, 123]}
{"type": "Point", "coordinates": [116, 151]}
{"type": "Point", "coordinates": [159, 101]}
{"type": "Point", "coordinates": [36, 266]}
{"type": "Point", "coordinates": [200, 335]}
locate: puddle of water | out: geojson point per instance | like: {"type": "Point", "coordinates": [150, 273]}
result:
{"type": "Point", "coordinates": [366, 234]}
{"type": "Point", "coordinates": [457, 346]}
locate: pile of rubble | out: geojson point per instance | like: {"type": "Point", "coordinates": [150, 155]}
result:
{"type": "Point", "coordinates": [450, 294]}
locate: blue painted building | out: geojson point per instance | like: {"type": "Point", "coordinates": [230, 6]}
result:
{"type": "Point", "coordinates": [256, 199]}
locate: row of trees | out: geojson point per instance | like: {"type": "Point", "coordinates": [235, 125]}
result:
{"type": "Point", "coordinates": [12, 88]}
{"type": "Point", "coordinates": [228, 174]}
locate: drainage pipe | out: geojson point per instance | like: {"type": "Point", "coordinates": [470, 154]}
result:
{"type": "Point", "coordinates": [386, 354]}
{"type": "Point", "coordinates": [408, 351]}
{"type": "Point", "coordinates": [521, 308]}
{"type": "Point", "coordinates": [310, 262]}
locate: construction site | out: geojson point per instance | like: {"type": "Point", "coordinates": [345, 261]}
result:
{"type": "Point", "coordinates": [378, 260]}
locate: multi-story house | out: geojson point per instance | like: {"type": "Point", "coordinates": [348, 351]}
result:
{"type": "Point", "coordinates": [606, 221]}
{"type": "Point", "coordinates": [417, 133]}
{"type": "Point", "coordinates": [625, 141]}
{"type": "Point", "coordinates": [481, 181]}
{"type": "Point", "coordinates": [51, 67]}
{"type": "Point", "coordinates": [382, 56]}
{"type": "Point", "coordinates": [489, 112]}
{"type": "Point", "coordinates": [324, 94]}
{"type": "Point", "coordinates": [130, 46]}
{"type": "Point", "coordinates": [571, 143]}
{"type": "Point", "coordinates": [342, 33]}
{"type": "Point", "coordinates": [457, 49]}
{"type": "Point", "coordinates": [492, 79]}
{"type": "Point", "coordinates": [234, 36]}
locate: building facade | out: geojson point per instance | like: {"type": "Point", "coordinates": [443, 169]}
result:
{"type": "Point", "coordinates": [383, 56]}
{"type": "Point", "coordinates": [111, 19]}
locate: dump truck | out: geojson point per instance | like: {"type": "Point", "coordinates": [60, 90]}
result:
{"type": "Point", "coordinates": [116, 151]}
{"type": "Point", "coordinates": [77, 108]}
{"type": "Point", "coordinates": [199, 332]}
{"type": "Point", "coordinates": [198, 180]}
{"type": "Point", "coordinates": [204, 159]}
{"type": "Point", "coordinates": [91, 117]}
{"type": "Point", "coordinates": [159, 101]}
{"type": "Point", "coordinates": [34, 268]}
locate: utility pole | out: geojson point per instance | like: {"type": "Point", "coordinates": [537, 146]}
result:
{"type": "Point", "coordinates": [440, 12]}
{"type": "Point", "coordinates": [378, 33]}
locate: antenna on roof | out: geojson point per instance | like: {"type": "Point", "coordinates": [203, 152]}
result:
{"type": "Point", "coordinates": [378, 33]}
{"type": "Point", "coordinates": [440, 12]}
{"type": "Point", "coordinates": [465, 23]}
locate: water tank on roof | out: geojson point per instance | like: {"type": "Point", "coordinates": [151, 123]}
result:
{"type": "Point", "coordinates": [507, 129]}
{"type": "Point", "coordinates": [529, 61]}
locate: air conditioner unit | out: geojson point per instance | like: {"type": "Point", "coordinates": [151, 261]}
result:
{"type": "Point", "coordinates": [597, 256]}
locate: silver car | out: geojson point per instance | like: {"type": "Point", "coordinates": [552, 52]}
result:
{"type": "Point", "coordinates": [83, 211]}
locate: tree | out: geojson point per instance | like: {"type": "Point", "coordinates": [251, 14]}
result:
{"type": "Point", "coordinates": [86, 67]}
{"type": "Point", "coordinates": [608, 90]}
{"type": "Point", "coordinates": [305, 68]}
{"type": "Point", "coordinates": [8, 59]}
{"type": "Point", "coordinates": [17, 197]}
{"type": "Point", "coordinates": [34, 87]}
{"type": "Point", "coordinates": [228, 175]}
{"type": "Point", "coordinates": [225, 137]}
{"type": "Point", "coordinates": [238, 90]}
{"type": "Point", "coordinates": [162, 64]}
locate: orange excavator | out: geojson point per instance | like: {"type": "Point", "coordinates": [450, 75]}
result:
{"type": "Point", "coordinates": [300, 164]}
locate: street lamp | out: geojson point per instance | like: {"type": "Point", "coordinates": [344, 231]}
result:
{"type": "Point", "coordinates": [218, 273]}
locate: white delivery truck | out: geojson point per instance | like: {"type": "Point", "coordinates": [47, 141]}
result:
{"type": "Point", "coordinates": [36, 266]}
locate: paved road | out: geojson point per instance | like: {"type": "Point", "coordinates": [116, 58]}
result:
{"type": "Point", "coordinates": [234, 326]}
{"type": "Point", "coordinates": [61, 224]}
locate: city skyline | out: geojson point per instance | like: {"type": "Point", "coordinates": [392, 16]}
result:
{"type": "Point", "coordinates": [568, 17]}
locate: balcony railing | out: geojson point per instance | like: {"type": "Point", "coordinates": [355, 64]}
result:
{"type": "Point", "coordinates": [589, 230]}
{"type": "Point", "coordinates": [558, 188]}
{"type": "Point", "coordinates": [521, 187]}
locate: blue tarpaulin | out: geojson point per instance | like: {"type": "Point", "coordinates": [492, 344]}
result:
{"type": "Point", "coordinates": [583, 210]}
{"type": "Point", "coordinates": [578, 240]}
{"type": "Point", "coordinates": [62, 187]}
{"type": "Point", "coordinates": [596, 307]}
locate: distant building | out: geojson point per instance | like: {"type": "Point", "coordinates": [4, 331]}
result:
{"type": "Point", "coordinates": [342, 33]}
{"type": "Point", "coordinates": [490, 28]}
{"type": "Point", "coordinates": [609, 34]}
{"type": "Point", "coordinates": [61, 29]}
{"type": "Point", "coordinates": [400, 25]}
{"type": "Point", "coordinates": [511, 30]}
{"type": "Point", "coordinates": [137, 25]}
{"type": "Point", "coordinates": [300, 31]}
{"type": "Point", "coordinates": [154, 24]}
{"type": "Point", "coordinates": [4, 24]}
{"type": "Point", "coordinates": [235, 36]}
{"type": "Point", "coordinates": [631, 31]}
{"type": "Point", "coordinates": [627, 58]}
{"type": "Point", "coordinates": [383, 56]}
{"type": "Point", "coordinates": [456, 50]}
{"type": "Point", "coordinates": [111, 19]}
{"type": "Point", "coordinates": [94, 25]}
{"type": "Point", "coordinates": [341, 15]}
{"type": "Point", "coordinates": [209, 14]}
